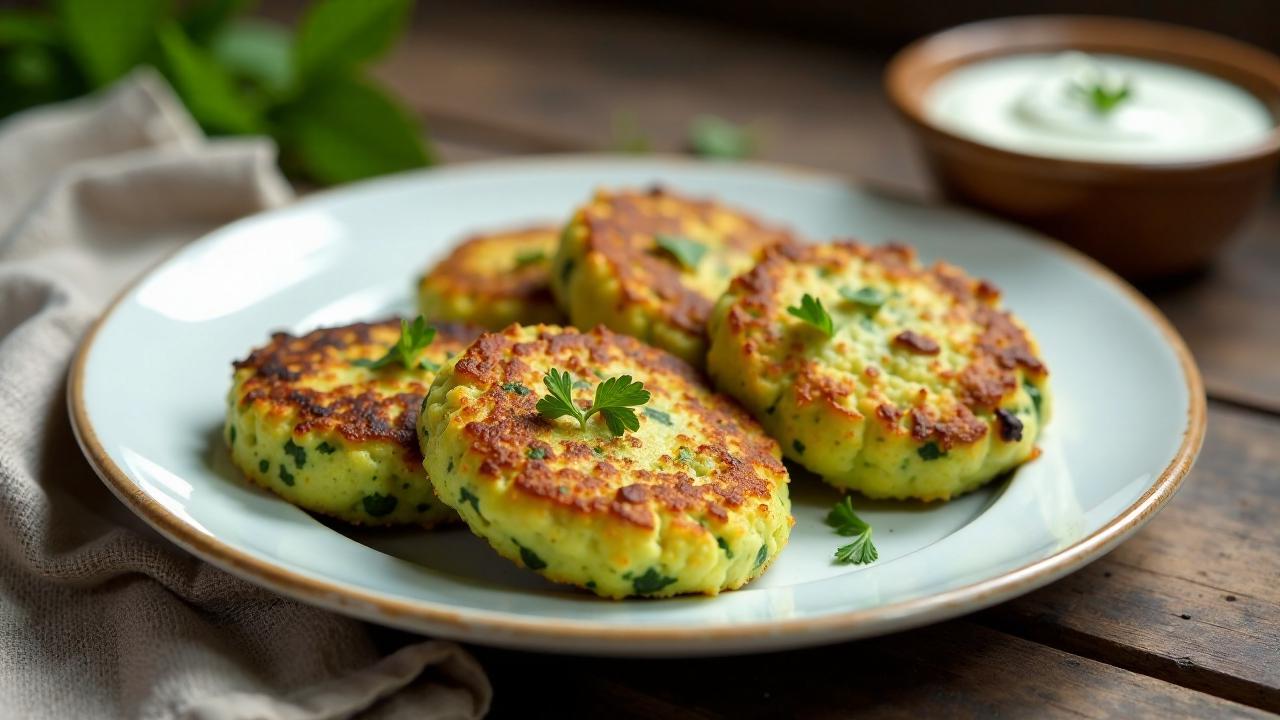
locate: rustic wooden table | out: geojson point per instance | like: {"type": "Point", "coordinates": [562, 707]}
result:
{"type": "Point", "coordinates": [1181, 620]}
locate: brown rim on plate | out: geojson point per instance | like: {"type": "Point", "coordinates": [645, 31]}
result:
{"type": "Point", "coordinates": [917, 67]}
{"type": "Point", "coordinates": [502, 629]}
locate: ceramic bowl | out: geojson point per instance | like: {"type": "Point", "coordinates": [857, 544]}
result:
{"type": "Point", "coordinates": [1145, 220]}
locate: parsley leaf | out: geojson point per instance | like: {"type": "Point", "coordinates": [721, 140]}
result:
{"type": "Point", "coordinates": [868, 297]}
{"type": "Point", "coordinates": [847, 523]}
{"type": "Point", "coordinates": [412, 341]}
{"type": "Point", "coordinates": [686, 251]}
{"type": "Point", "coordinates": [812, 312]}
{"type": "Point", "coordinates": [613, 401]}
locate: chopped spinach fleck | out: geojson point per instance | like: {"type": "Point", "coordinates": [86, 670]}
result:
{"type": "Point", "coordinates": [565, 270]}
{"type": "Point", "coordinates": [591, 584]}
{"type": "Point", "coordinates": [868, 298]}
{"type": "Point", "coordinates": [724, 545]}
{"type": "Point", "coordinates": [377, 504]}
{"type": "Point", "coordinates": [536, 453]}
{"type": "Point", "coordinates": [799, 446]}
{"type": "Point", "coordinates": [263, 466]}
{"type": "Point", "coordinates": [325, 448]}
{"type": "Point", "coordinates": [686, 456]}
{"type": "Point", "coordinates": [761, 556]}
{"type": "Point", "coordinates": [298, 452]}
{"type": "Point", "coordinates": [660, 416]}
{"type": "Point", "coordinates": [231, 434]}
{"type": "Point", "coordinates": [1034, 393]}
{"type": "Point", "coordinates": [530, 558]}
{"type": "Point", "coordinates": [651, 582]}
{"type": "Point", "coordinates": [517, 388]}
{"type": "Point", "coordinates": [529, 257]}
{"type": "Point", "coordinates": [930, 451]}
{"type": "Point", "coordinates": [467, 496]}
{"type": "Point", "coordinates": [285, 476]}
{"type": "Point", "coordinates": [450, 468]}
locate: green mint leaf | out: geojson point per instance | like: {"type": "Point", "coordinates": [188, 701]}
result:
{"type": "Point", "coordinates": [336, 35]}
{"type": "Point", "coordinates": [846, 522]}
{"type": "Point", "coordinates": [259, 53]}
{"type": "Point", "coordinates": [346, 129]}
{"type": "Point", "coordinates": [108, 39]}
{"type": "Point", "coordinates": [208, 90]}
{"type": "Point", "coordinates": [717, 138]}
{"type": "Point", "coordinates": [812, 312]}
{"type": "Point", "coordinates": [558, 401]}
{"type": "Point", "coordinates": [686, 251]}
{"type": "Point", "coordinates": [867, 297]}
{"type": "Point", "coordinates": [202, 21]}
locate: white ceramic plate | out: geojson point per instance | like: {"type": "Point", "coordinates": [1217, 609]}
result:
{"type": "Point", "coordinates": [1129, 418]}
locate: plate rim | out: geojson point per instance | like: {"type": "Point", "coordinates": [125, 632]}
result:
{"type": "Point", "coordinates": [511, 630]}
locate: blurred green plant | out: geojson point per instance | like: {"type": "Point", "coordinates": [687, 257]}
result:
{"type": "Point", "coordinates": [307, 89]}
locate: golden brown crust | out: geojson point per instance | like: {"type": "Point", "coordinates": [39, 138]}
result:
{"type": "Point", "coordinates": [601, 474]}
{"type": "Point", "coordinates": [469, 269]}
{"type": "Point", "coordinates": [383, 406]}
{"type": "Point", "coordinates": [620, 228]}
{"type": "Point", "coordinates": [992, 359]}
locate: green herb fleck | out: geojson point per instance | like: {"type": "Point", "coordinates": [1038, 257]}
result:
{"type": "Point", "coordinates": [651, 582]}
{"type": "Point", "coordinates": [1034, 393]}
{"type": "Point", "coordinates": [530, 558]}
{"type": "Point", "coordinates": [761, 556]}
{"type": "Point", "coordinates": [263, 466]}
{"type": "Point", "coordinates": [469, 497]}
{"type": "Point", "coordinates": [517, 388]}
{"type": "Point", "coordinates": [231, 433]}
{"type": "Point", "coordinates": [686, 456]}
{"type": "Point", "coordinates": [591, 584]}
{"type": "Point", "coordinates": [1100, 96]}
{"type": "Point", "coordinates": [847, 523]}
{"type": "Point", "coordinates": [614, 399]}
{"type": "Point", "coordinates": [285, 476]}
{"type": "Point", "coordinates": [724, 545]}
{"type": "Point", "coordinates": [812, 312]}
{"type": "Point", "coordinates": [422, 507]}
{"type": "Point", "coordinates": [867, 297]}
{"type": "Point", "coordinates": [717, 138]}
{"type": "Point", "coordinates": [660, 416]}
{"type": "Point", "coordinates": [298, 452]}
{"type": "Point", "coordinates": [799, 447]}
{"type": "Point", "coordinates": [930, 451]}
{"type": "Point", "coordinates": [377, 504]}
{"type": "Point", "coordinates": [536, 453]}
{"type": "Point", "coordinates": [686, 251]}
{"type": "Point", "coordinates": [414, 338]}
{"type": "Point", "coordinates": [325, 448]}
{"type": "Point", "coordinates": [565, 270]}
{"type": "Point", "coordinates": [530, 257]}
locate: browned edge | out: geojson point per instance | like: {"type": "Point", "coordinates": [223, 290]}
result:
{"type": "Point", "coordinates": [504, 629]}
{"type": "Point", "coordinates": [916, 67]}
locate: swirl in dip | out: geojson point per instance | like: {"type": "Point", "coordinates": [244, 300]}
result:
{"type": "Point", "coordinates": [1101, 108]}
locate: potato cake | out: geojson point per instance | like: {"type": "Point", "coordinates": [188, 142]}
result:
{"type": "Point", "coordinates": [879, 374]}
{"type": "Point", "coordinates": [693, 500]}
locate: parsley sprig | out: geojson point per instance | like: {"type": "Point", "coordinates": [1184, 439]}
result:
{"type": "Point", "coordinates": [812, 312]}
{"type": "Point", "coordinates": [414, 338]}
{"type": "Point", "coordinates": [1101, 97]}
{"type": "Point", "coordinates": [686, 251]}
{"type": "Point", "coordinates": [847, 523]}
{"type": "Point", "coordinates": [614, 399]}
{"type": "Point", "coordinates": [866, 297]}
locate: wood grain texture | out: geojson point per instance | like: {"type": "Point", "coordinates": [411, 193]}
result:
{"type": "Point", "coordinates": [958, 670]}
{"type": "Point", "coordinates": [1194, 597]}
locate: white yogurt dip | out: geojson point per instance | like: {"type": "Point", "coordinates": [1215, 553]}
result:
{"type": "Point", "coordinates": [1102, 108]}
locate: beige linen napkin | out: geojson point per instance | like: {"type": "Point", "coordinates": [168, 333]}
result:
{"type": "Point", "coordinates": [99, 616]}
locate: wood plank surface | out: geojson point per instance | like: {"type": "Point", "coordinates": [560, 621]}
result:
{"type": "Point", "coordinates": [1193, 598]}
{"type": "Point", "coordinates": [957, 669]}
